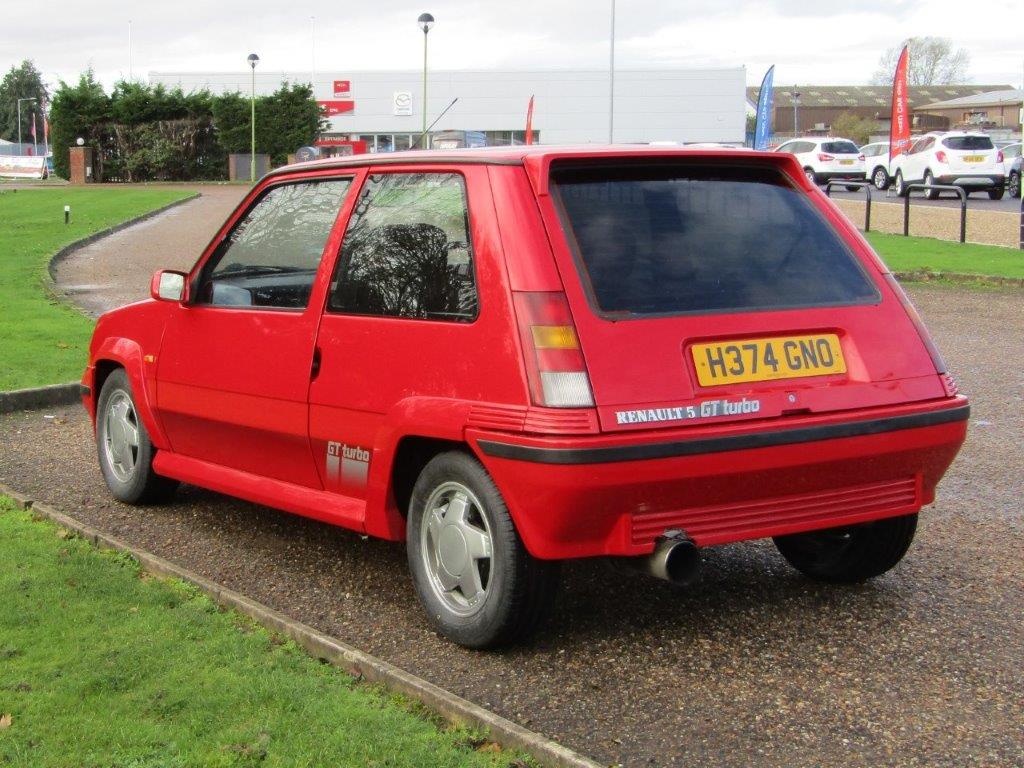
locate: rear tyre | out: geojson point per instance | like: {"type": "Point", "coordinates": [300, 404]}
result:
{"type": "Point", "coordinates": [900, 186]}
{"type": "Point", "coordinates": [477, 583]}
{"type": "Point", "coordinates": [880, 178]}
{"type": "Point", "coordinates": [812, 176]}
{"type": "Point", "coordinates": [1013, 186]}
{"type": "Point", "coordinates": [125, 450]}
{"type": "Point", "coordinates": [852, 553]}
{"type": "Point", "coordinates": [929, 180]}
{"type": "Point", "coordinates": [996, 193]}
{"type": "Point", "coordinates": [852, 187]}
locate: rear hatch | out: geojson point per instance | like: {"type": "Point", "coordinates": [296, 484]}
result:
{"type": "Point", "coordinates": [718, 289]}
{"type": "Point", "coordinates": [841, 155]}
{"type": "Point", "coordinates": [971, 154]}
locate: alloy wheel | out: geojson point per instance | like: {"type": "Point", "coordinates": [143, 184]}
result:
{"type": "Point", "coordinates": [121, 436]}
{"type": "Point", "coordinates": [457, 545]}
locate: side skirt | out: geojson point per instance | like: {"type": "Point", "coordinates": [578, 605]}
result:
{"type": "Point", "coordinates": [319, 505]}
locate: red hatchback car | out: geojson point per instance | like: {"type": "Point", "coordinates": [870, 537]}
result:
{"type": "Point", "coordinates": [508, 358]}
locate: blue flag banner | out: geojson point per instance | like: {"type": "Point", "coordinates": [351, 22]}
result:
{"type": "Point", "coordinates": [765, 102]}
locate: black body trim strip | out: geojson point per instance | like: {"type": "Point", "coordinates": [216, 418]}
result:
{"type": "Point", "coordinates": [722, 444]}
{"type": "Point", "coordinates": [85, 390]}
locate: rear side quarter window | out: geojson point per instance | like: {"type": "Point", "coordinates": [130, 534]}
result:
{"type": "Point", "coordinates": [407, 251]}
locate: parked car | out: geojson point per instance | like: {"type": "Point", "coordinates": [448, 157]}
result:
{"type": "Point", "coordinates": [876, 163]}
{"type": "Point", "coordinates": [1010, 153]}
{"type": "Point", "coordinates": [824, 159]}
{"type": "Point", "coordinates": [511, 357]}
{"type": "Point", "coordinates": [1013, 180]}
{"type": "Point", "coordinates": [966, 160]}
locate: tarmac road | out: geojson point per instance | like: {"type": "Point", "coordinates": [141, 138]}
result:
{"type": "Point", "coordinates": [977, 201]}
{"type": "Point", "coordinates": [753, 666]}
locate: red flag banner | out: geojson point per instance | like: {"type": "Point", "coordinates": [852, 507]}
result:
{"type": "Point", "coordinates": [899, 127]}
{"type": "Point", "coordinates": [529, 122]}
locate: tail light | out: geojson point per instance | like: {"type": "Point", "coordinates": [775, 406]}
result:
{"type": "Point", "coordinates": [555, 368]}
{"type": "Point", "coordinates": [911, 310]}
{"type": "Point", "coordinates": [999, 156]}
{"type": "Point", "coordinates": [823, 158]}
{"type": "Point", "coordinates": [941, 156]}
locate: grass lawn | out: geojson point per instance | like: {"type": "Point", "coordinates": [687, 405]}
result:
{"type": "Point", "coordinates": [43, 341]}
{"type": "Point", "coordinates": [905, 254]}
{"type": "Point", "coordinates": [102, 665]}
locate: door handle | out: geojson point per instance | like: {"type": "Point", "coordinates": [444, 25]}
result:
{"type": "Point", "coordinates": [314, 370]}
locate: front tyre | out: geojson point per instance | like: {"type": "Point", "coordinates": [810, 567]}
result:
{"type": "Point", "coordinates": [1013, 185]}
{"type": "Point", "coordinates": [852, 553]}
{"type": "Point", "coordinates": [880, 178]}
{"type": "Point", "coordinates": [473, 576]}
{"type": "Point", "coordinates": [125, 450]}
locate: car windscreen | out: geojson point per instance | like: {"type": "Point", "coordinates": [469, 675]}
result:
{"type": "Point", "coordinates": [968, 142]}
{"type": "Point", "coordinates": [657, 240]}
{"type": "Point", "coordinates": [840, 148]}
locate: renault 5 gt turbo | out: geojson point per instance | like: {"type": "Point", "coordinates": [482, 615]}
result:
{"type": "Point", "coordinates": [511, 357]}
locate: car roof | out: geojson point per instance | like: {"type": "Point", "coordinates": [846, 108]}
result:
{"type": "Point", "coordinates": [517, 155]}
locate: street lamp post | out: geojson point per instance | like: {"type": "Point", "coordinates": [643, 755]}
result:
{"type": "Point", "coordinates": [426, 22]}
{"type": "Point", "coordinates": [253, 61]}
{"type": "Point", "coordinates": [27, 98]}
{"type": "Point", "coordinates": [796, 113]}
{"type": "Point", "coordinates": [611, 82]}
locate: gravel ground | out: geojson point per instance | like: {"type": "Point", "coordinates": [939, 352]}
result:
{"type": "Point", "coordinates": [754, 666]}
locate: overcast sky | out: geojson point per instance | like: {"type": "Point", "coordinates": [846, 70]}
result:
{"type": "Point", "coordinates": [810, 42]}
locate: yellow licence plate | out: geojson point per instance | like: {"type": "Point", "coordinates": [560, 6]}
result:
{"type": "Point", "coordinates": [974, 158]}
{"type": "Point", "coordinates": [846, 162]}
{"type": "Point", "coordinates": [785, 357]}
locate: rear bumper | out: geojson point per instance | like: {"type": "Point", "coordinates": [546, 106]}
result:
{"type": "Point", "coordinates": [972, 179]}
{"type": "Point", "coordinates": [613, 495]}
{"type": "Point", "coordinates": [853, 174]}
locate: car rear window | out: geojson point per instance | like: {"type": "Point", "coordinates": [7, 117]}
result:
{"type": "Point", "coordinates": [968, 142]}
{"type": "Point", "coordinates": [656, 240]}
{"type": "Point", "coordinates": [840, 147]}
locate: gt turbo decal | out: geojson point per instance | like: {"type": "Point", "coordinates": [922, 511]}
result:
{"type": "Point", "coordinates": [704, 410]}
{"type": "Point", "coordinates": [347, 463]}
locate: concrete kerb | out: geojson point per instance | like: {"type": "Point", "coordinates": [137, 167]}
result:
{"type": "Point", "coordinates": [39, 397]}
{"type": "Point", "coordinates": [452, 708]}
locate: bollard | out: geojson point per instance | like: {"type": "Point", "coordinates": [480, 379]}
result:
{"type": "Point", "coordinates": [67, 214]}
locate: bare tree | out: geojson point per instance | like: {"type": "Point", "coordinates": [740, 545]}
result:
{"type": "Point", "coordinates": [932, 62]}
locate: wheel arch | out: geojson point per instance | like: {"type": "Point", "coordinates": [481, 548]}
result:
{"type": "Point", "coordinates": [126, 354]}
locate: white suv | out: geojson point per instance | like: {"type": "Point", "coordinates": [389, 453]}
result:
{"type": "Point", "coordinates": [876, 163]}
{"type": "Point", "coordinates": [824, 159]}
{"type": "Point", "coordinates": [966, 160]}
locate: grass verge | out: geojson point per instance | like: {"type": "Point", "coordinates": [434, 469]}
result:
{"type": "Point", "coordinates": [41, 340]}
{"type": "Point", "coordinates": [102, 665]}
{"type": "Point", "coordinates": [913, 254]}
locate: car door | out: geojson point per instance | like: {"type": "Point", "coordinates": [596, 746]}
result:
{"type": "Point", "coordinates": [913, 168]}
{"type": "Point", "coordinates": [234, 367]}
{"type": "Point", "coordinates": [401, 317]}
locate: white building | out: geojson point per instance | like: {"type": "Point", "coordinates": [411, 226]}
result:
{"type": "Point", "coordinates": [570, 106]}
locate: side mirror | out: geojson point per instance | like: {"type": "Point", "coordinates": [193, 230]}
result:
{"type": "Point", "coordinates": [167, 285]}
